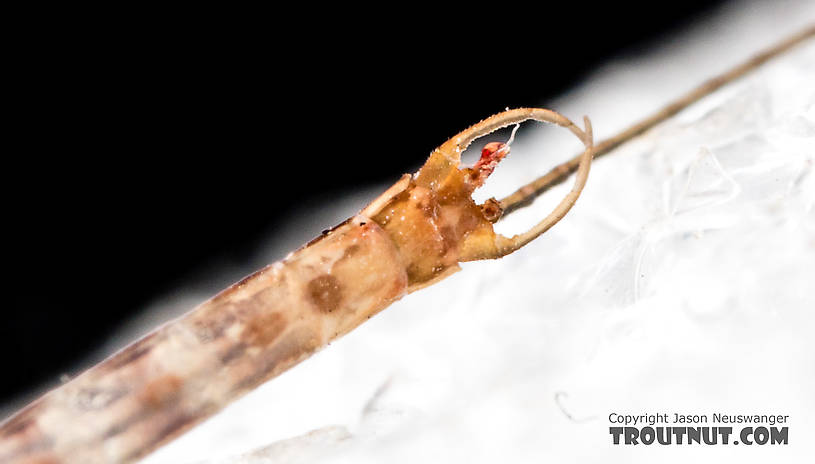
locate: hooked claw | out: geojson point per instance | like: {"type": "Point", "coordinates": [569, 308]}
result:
{"type": "Point", "coordinates": [453, 148]}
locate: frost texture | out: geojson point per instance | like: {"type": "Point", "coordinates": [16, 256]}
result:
{"type": "Point", "coordinates": [681, 281]}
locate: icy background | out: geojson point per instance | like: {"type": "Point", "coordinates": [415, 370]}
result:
{"type": "Point", "coordinates": [683, 280]}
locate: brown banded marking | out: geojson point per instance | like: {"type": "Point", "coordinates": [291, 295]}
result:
{"type": "Point", "coordinates": [264, 328]}
{"type": "Point", "coordinates": [136, 351]}
{"type": "Point", "coordinates": [325, 292]}
{"type": "Point", "coordinates": [291, 347]}
{"type": "Point", "coordinates": [161, 392]}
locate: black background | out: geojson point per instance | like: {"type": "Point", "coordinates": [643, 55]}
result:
{"type": "Point", "coordinates": [147, 142]}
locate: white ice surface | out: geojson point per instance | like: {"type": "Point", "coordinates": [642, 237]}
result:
{"type": "Point", "coordinates": [683, 280]}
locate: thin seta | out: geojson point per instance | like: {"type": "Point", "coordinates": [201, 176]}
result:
{"type": "Point", "coordinates": [413, 235]}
